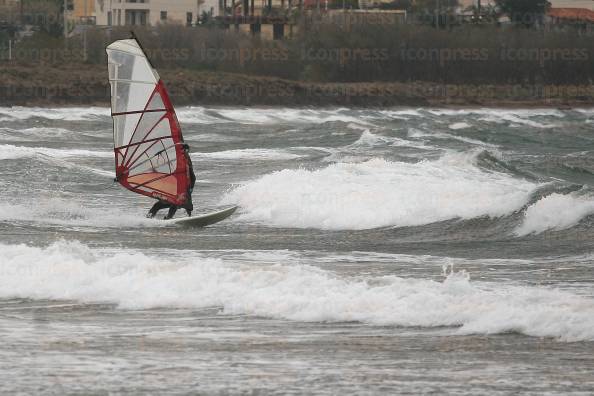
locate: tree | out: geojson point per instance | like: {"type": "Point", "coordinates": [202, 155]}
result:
{"type": "Point", "coordinates": [524, 12]}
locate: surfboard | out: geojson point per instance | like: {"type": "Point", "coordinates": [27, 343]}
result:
{"type": "Point", "coordinates": [204, 220]}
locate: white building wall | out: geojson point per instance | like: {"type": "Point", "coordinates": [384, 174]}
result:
{"type": "Point", "coordinates": [464, 4]}
{"type": "Point", "coordinates": [177, 10]}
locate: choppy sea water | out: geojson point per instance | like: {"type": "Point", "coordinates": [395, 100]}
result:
{"type": "Point", "coordinates": [374, 251]}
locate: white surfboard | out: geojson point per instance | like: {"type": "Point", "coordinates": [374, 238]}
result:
{"type": "Point", "coordinates": [204, 220]}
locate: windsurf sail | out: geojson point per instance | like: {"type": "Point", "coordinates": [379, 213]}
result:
{"type": "Point", "coordinates": [148, 142]}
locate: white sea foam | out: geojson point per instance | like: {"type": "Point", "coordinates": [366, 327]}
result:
{"type": "Point", "coordinates": [514, 119]}
{"type": "Point", "coordinates": [402, 114]}
{"type": "Point", "coordinates": [459, 125]}
{"type": "Point", "coordinates": [544, 112]}
{"type": "Point", "coordinates": [9, 151]}
{"type": "Point", "coordinates": [252, 154]}
{"type": "Point", "coordinates": [379, 193]}
{"type": "Point", "coordinates": [555, 212]}
{"type": "Point", "coordinates": [514, 116]}
{"type": "Point", "coordinates": [197, 115]}
{"type": "Point", "coordinates": [356, 127]}
{"type": "Point", "coordinates": [37, 133]}
{"type": "Point", "coordinates": [288, 290]}
{"type": "Point", "coordinates": [70, 213]}
{"type": "Point", "coordinates": [416, 133]}
{"type": "Point", "coordinates": [266, 116]}
{"type": "Point", "coordinates": [247, 115]}
{"type": "Point", "coordinates": [586, 111]}
{"type": "Point", "coordinates": [370, 139]}
{"type": "Point", "coordinates": [61, 113]}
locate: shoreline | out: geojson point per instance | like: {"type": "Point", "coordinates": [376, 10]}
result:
{"type": "Point", "coordinates": [83, 84]}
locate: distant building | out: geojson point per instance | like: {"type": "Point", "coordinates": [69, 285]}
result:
{"type": "Point", "coordinates": [152, 12]}
{"type": "Point", "coordinates": [83, 11]}
{"type": "Point", "coordinates": [581, 18]}
{"type": "Point", "coordinates": [465, 4]}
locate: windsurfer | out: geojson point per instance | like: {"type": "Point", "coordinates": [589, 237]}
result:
{"type": "Point", "coordinates": [188, 205]}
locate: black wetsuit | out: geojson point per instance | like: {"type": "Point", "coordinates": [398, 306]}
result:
{"type": "Point", "coordinates": [159, 205]}
{"type": "Point", "coordinates": [188, 205]}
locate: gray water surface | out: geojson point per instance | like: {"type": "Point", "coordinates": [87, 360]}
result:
{"type": "Point", "coordinates": [399, 251]}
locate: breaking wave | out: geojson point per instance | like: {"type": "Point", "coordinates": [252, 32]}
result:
{"type": "Point", "coordinates": [289, 290]}
{"type": "Point", "coordinates": [555, 212]}
{"type": "Point", "coordinates": [379, 193]}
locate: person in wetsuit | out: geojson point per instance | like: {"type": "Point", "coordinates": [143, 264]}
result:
{"type": "Point", "coordinates": [188, 206]}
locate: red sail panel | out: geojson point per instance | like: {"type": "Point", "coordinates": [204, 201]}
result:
{"type": "Point", "coordinates": [148, 143]}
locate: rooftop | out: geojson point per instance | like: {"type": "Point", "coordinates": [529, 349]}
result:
{"type": "Point", "coordinates": [579, 14]}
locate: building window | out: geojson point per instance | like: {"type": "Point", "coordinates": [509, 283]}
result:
{"type": "Point", "coordinates": [109, 18]}
{"type": "Point", "coordinates": [163, 15]}
{"type": "Point", "coordinates": [189, 18]}
{"type": "Point", "coordinates": [136, 17]}
{"type": "Point", "coordinates": [119, 17]}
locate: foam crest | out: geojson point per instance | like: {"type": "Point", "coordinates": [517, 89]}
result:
{"type": "Point", "coordinates": [288, 290]}
{"type": "Point", "coordinates": [33, 134]}
{"type": "Point", "coordinates": [266, 116]}
{"type": "Point", "coordinates": [418, 134]}
{"type": "Point", "coordinates": [60, 113]}
{"type": "Point", "coordinates": [555, 212]}
{"type": "Point", "coordinates": [401, 114]}
{"type": "Point", "coordinates": [514, 116]}
{"type": "Point", "coordinates": [543, 112]}
{"type": "Point", "coordinates": [369, 139]}
{"type": "Point", "coordinates": [251, 154]}
{"type": "Point", "coordinates": [459, 125]}
{"type": "Point", "coordinates": [379, 193]}
{"type": "Point", "coordinates": [9, 151]}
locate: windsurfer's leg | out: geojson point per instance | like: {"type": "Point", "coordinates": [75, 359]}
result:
{"type": "Point", "coordinates": [156, 207]}
{"type": "Point", "coordinates": [189, 206]}
{"type": "Point", "coordinates": [171, 213]}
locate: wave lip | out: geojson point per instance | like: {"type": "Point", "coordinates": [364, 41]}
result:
{"type": "Point", "coordinates": [555, 212]}
{"type": "Point", "coordinates": [289, 290]}
{"type": "Point", "coordinates": [379, 193]}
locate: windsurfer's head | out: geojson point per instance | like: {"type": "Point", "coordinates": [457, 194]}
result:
{"type": "Point", "coordinates": [186, 147]}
